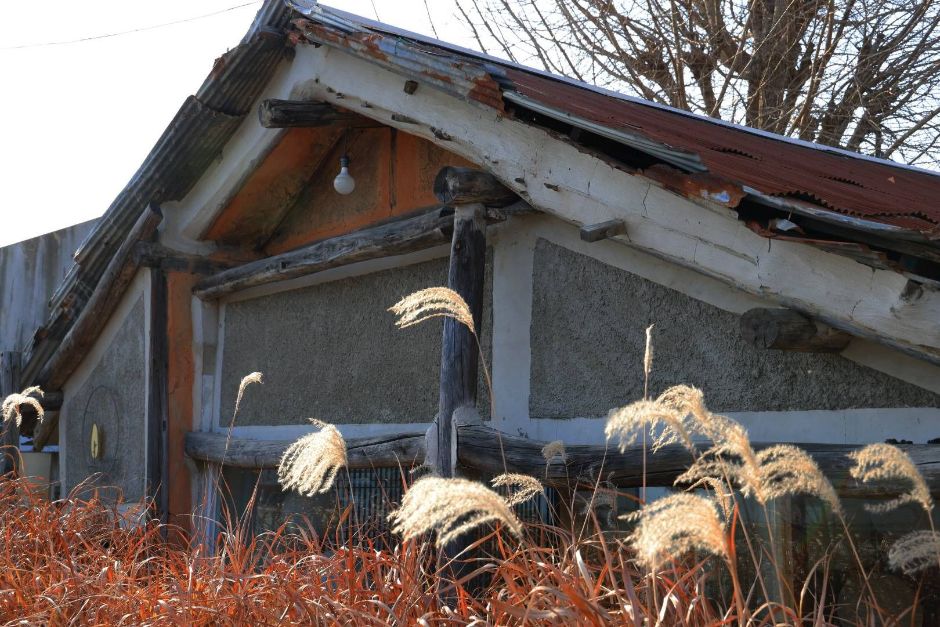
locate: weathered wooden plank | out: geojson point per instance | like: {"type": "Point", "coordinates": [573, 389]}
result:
{"type": "Point", "coordinates": [460, 354]}
{"type": "Point", "coordinates": [404, 449]}
{"type": "Point", "coordinates": [602, 230]}
{"type": "Point", "coordinates": [115, 280]}
{"type": "Point", "coordinates": [154, 255]}
{"type": "Point", "coordinates": [430, 228]}
{"type": "Point", "coordinates": [274, 113]}
{"type": "Point", "coordinates": [785, 329]}
{"type": "Point", "coordinates": [461, 186]}
{"type": "Point", "coordinates": [484, 448]}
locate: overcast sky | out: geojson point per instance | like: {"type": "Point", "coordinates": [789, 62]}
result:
{"type": "Point", "coordinates": [77, 119]}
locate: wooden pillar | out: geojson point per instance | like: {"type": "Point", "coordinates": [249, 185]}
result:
{"type": "Point", "coordinates": [10, 436]}
{"type": "Point", "coordinates": [460, 355]}
{"type": "Point", "coordinates": [157, 453]}
{"type": "Point", "coordinates": [469, 191]}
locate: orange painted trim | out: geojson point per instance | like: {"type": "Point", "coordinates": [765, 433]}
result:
{"type": "Point", "coordinates": [180, 379]}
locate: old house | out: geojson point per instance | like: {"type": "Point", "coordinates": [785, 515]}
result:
{"type": "Point", "coordinates": [797, 285]}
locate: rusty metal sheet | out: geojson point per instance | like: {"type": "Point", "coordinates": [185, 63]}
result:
{"type": "Point", "coordinates": [852, 185]}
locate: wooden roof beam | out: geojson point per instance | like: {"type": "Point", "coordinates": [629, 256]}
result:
{"type": "Point", "coordinates": [274, 113]}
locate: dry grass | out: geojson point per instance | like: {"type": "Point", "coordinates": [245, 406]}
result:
{"type": "Point", "coordinates": [12, 403]}
{"type": "Point", "coordinates": [310, 464]}
{"type": "Point", "coordinates": [885, 462]}
{"type": "Point", "coordinates": [433, 302]}
{"type": "Point", "coordinates": [523, 487]}
{"type": "Point", "coordinates": [676, 525]}
{"type": "Point", "coordinates": [450, 508]}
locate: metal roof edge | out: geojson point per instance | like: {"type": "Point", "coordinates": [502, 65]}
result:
{"type": "Point", "coordinates": [184, 151]}
{"type": "Point", "coordinates": [349, 21]}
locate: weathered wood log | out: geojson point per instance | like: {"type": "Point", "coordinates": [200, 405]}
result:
{"type": "Point", "coordinates": [404, 449]}
{"type": "Point", "coordinates": [602, 230]}
{"type": "Point", "coordinates": [482, 448]}
{"type": "Point", "coordinates": [460, 354]}
{"type": "Point", "coordinates": [274, 113]}
{"type": "Point", "coordinates": [461, 186]}
{"type": "Point", "coordinates": [785, 329]}
{"type": "Point", "coordinates": [9, 430]}
{"type": "Point", "coordinates": [429, 229]}
{"type": "Point", "coordinates": [117, 276]}
{"type": "Point", "coordinates": [157, 256]}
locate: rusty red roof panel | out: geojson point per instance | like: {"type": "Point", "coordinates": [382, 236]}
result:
{"type": "Point", "coordinates": [875, 190]}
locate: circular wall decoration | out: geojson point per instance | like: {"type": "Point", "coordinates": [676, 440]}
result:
{"type": "Point", "coordinates": [101, 422]}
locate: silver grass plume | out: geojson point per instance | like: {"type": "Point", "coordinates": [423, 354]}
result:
{"type": "Point", "coordinates": [433, 302]}
{"type": "Point", "coordinates": [885, 462]}
{"type": "Point", "coordinates": [310, 464]}
{"type": "Point", "coordinates": [450, 507]}
{"type": "Point", "coordinates": [523, 487]}
{"type": "Point", "coordinates": [11, 405]}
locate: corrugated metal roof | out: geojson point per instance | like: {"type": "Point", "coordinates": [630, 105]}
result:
{"type": "Point", "coordinates": [871, 193]}
{"type": "Point", "coordinates": [189, 145]}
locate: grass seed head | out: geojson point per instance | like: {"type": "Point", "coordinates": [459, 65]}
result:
{"type": "Point", "coordinates": [254, 377]}
{"type": "Point", "coordinates": [450, 507]}
{"type": "Point", "coordinates": [626, 422]}
{"type": "Point", "coordinates": [675, 525]}
{"type": "Point", "coordinates": [915, 552]}
{"type": "Point", "coordinates": [13, 402]}
{"type": "Point", "coordinates": [310, 464]}
{"type": "Point", "coordinates": [554, 449]}
{"type": "Point", "coordinates": [525, 487]}
{"type": "Point", "coordinates": [885, 462]}
{"type": "Point", "coordinates": [786, 470]}
{"type": "Point", "coordinates": [433, 302]}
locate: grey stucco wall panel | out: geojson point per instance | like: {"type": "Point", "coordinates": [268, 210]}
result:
{"type": "Point", "coordinates": [588, 336]}
{"type": "Point", "coordinates": [112, 396]}
{"type": "Point", "coordinates": [331, 351]}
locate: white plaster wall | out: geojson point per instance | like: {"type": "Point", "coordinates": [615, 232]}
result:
{"type": "Point", "coordinates": [139, 289]}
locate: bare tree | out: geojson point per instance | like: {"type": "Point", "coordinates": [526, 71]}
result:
{"type": "Point", "coordinates": [859, 74]}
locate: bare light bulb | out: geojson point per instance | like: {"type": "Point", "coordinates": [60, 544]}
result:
{"type": "Point", "coordinates": [344, 183]}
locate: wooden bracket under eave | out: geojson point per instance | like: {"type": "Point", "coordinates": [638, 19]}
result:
{"type": "Point", "coordinates": [785, 329]}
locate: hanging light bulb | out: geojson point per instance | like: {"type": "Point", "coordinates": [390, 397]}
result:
{"type": "Point", "coordinates": [344, 183]}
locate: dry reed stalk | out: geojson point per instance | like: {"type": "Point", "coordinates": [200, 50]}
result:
{"type": "Point", "coordinates": [525, 487]}
{"type": "Point", "coordinates": [885, 462]}
{"type": "Point", "coordinates": [12, 403]}
{"type": "Point", "coordinates": [310, 464]}
{"type": "Point", "coordinates": [675, 525]}
{"type": "Point", "coordinates": [640, 416]}
{"type": "Point", "coordinates": [450, 507]}
{"type": "Point", "coordinates": [432, 302]}
{"type": "Point", "coordinates": [915, 552]}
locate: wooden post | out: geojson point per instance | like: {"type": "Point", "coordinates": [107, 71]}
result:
{"type": "Point", "coordinates": [10, 436]}
{"type": "Point", "coordinates": [157, 449]}
{"type": "Point", "coordinates": [460, 355]}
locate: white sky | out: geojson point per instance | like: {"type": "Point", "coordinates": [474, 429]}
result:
{"type": "Point", "coordinates": [76, 120]}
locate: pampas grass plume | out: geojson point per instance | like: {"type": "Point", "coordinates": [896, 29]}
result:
{"type": "Point", "coordinates": [915, 552]}
{"type": "Point", "coordinates": [12, 403]}
{"type": "Point", "coordinates": [433, 302]}
{"type": "Point", "coordinates": [885, 462]}
{"type": "Point", "coordinates": [524, 487]}
{"type": "Point", "coordinates": [674, 525]}
{"type": "Point", "coordinates": [310, 464]}
{"type": "Point", "coordinates": [450, 507]}
{"type": "Point", "coordinates": [624, 423]}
